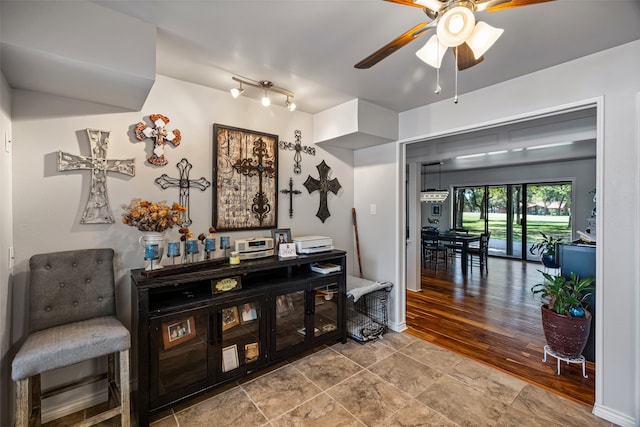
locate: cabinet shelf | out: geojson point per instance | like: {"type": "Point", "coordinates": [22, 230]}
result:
{"type": "Point", "coordinates": [286, 295]}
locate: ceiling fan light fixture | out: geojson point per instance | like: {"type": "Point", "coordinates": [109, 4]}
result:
{"type": "Point", "coordinates": [482, 38]}
{"type": "Point", "coordinates": [455, 26]}
{"type": "Point", "coordinates": [432, 52]}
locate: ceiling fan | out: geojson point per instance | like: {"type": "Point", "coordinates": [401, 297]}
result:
{"type": "Point", "coordinates": [456, 27]}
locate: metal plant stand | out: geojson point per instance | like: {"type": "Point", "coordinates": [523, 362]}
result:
{"type": "Point", "coordinates": [579, 359]}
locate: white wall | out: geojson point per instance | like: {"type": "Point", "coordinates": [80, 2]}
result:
{"type": "Point", "coordinates": [610, 76]}
{"type": "Point", "coordinates": [49, 204]}
{"type": "Point", "coordinates": [6, 241]}
{"type": "Point", "coordinates": [375, 185]}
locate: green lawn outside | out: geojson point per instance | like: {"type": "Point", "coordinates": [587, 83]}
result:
{"type": "Point", "coordinates": [556, 225]}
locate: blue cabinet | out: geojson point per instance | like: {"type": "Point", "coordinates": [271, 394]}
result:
{"type": "Point", "coordinates": [581, 259]}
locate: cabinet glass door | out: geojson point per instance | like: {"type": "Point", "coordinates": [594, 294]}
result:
{"type": "Point", "coordinates": [179, 354]}
{"type": "Point", "coordinates": [240, 335]}
{"type": "Point", "coordinates": [289, 320]}
{"type": "Point", "coordinates": [325, 313]}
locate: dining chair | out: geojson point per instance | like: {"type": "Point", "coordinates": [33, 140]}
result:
{"type": "Point", "coordinates": [72, 316]}
{"type": "Point", "coordinates": [481, 252]}
{"type": "Point", "coordinates": [432, 249]}
{"type": "Point", "coordinates": [454, 249]}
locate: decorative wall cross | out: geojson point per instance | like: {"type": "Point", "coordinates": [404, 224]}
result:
{"type": "Point", "coordinates": [184, 184]}
{"type": "Point", "coordinates": [324, 185]}
{"type": "Point", "coordinates": [297, 146]}
{"type": "Point", "coordinates": [291, 192]}
{"type": "Point", "coordinates": [97, 210]}
{"type": "Point", "coordinates": [262, 166]}
{"type": "Point", "coordinates": [160, 135]}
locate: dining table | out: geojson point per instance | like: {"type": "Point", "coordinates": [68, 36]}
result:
{"type": "Point", "coordinates": [463, 239]}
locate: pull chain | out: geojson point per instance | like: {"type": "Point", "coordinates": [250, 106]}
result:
{"type": "Point", "coordinates": [455, 98]}
{"type": "Point", "coordinates": [438, 88]}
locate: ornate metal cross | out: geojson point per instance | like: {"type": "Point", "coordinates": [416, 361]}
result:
{"type": "Point", "coordinates": [291, 192]}
{"type": "Point", "coordinates": [298, 147]}
{"type": "Point", "coordinates": [323, 186]}
{"type": "Point", "coordinates": [160, 135]}
{"type": "Point", "coordinates": [184, 184]}
{"type": "Point", "coordinates": [264, 166]}
{"type": "Point", "coordinates": [97, 210]}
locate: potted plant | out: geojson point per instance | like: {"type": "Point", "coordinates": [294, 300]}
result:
{"type": "Point", "coordinates": [565, 321]}
{"type": "Point", "coordinates": [546, 247]}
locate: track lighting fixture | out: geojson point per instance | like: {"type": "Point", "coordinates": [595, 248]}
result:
{"type": "Point", "coordinates": [266, 87]}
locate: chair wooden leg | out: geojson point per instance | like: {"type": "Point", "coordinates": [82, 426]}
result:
{"type": "Point", "coordinates": [23, 407]}
{"type": "Point", "coordinates": [125, 416]}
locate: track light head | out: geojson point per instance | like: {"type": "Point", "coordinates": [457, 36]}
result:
{"type": "Point", "coordinates": [291, 106]}
{"type": "Point", "coordinates": [237, 91]}
{"type": "Point", "coordinates": [265, 100]}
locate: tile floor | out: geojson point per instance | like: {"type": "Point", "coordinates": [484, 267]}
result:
{"type": "Point", "coordinates": [397, 381]}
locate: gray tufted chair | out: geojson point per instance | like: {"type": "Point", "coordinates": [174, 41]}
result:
{"type": "Point", "coordinates": [72, 312]}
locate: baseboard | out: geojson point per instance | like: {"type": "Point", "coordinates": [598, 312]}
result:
{"type": "Point", "coordinates": [414, 290]}
{"type": "Point", "coordinates": [398, 327]}
{"type": "Point", "coordinates": [615, 417]}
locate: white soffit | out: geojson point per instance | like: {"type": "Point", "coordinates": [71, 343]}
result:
{"type": "Point", "coordinates": [354, 125]}
{"type": "Point", "coordinates": [52, 47]}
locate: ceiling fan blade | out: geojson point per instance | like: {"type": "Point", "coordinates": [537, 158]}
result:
{"type": "Point", "coordinates": [464, 57]}
{"type": "Point", "coordinates": [406, 3]}
{"type": "Point", "coordinates": [394, 45]}
{"type": "Point", "coordinates": [514, 3]}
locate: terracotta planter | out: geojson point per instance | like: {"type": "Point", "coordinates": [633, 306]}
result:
{"type": "Point", "coordinates": [566, 335]}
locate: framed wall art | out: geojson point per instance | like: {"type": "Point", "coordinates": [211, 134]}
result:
{"type": "Point", "coordinates": [436, 210]}
{"type": "Point", "coordinates": [178, 331]}
{"type": "Point", "coordinates": [245, 171]}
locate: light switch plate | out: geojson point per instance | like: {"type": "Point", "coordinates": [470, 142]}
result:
{"type": "Point", "coordinates": [373, 209]}
{"type": "Point", "coordinates": [7, 143]}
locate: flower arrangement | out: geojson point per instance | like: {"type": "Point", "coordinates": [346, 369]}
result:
{"type": "Point", "coordinates": [152, 216]}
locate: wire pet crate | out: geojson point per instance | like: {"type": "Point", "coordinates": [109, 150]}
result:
{"type": "Point", "coordinates": [367, 309]}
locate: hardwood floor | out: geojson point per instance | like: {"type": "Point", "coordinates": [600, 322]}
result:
{"type": "Point", "coordinates": [493, 318]}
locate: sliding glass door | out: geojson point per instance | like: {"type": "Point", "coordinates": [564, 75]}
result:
{"type": "Point", "coordinates": [549, 212]}
{"type": "Point", "coordinates": [514, 224]}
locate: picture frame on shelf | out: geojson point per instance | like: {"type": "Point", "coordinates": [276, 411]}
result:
{"type": "Point", "coordinates": [177, 332]}
{"type": "Point", "coordinates": [280, 235]}
{"type": "Point", "coordinates": [245, 174]}
{"type": "Point", "coordinates": [251, 352]}
{"type": "Point", "coordinates": [248, 313]}
{"type": "Point", "coordinates": [230, 318]}
{"type": "Point", "coordinates": [230, 358]}
{"type": "Point", "coordinates": [284, 305]}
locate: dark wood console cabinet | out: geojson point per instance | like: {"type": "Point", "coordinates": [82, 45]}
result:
{"type": "Point", "coordinates": [187, 339]}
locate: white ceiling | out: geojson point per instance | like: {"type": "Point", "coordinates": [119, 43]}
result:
{"type": "Point", "coordinates": [310, 46]}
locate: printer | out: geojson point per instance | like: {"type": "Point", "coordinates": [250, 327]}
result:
{"type": "Point", "coordinates": [313, 244]}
